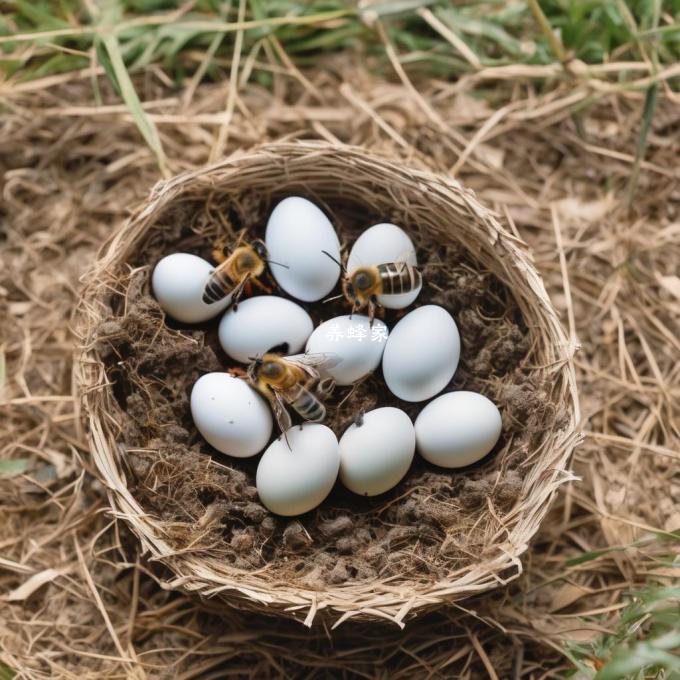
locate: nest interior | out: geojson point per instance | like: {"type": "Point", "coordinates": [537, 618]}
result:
{"type": "Point", "coordinates": [436, 523]}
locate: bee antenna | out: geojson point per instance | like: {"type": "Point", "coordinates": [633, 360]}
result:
{"type": "Point", "coordinates": [330, 299]}
{"type": "Point", "coordinates": [285, 266]}
{"type": "Point", "coordinates": [342, 266]}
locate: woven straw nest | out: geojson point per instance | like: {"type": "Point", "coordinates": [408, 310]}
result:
{"type": "Point", "coordinates": [210, 537]}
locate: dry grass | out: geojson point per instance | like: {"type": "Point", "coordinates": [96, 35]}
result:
{"type": "Point", "coordinates": [608, 252]}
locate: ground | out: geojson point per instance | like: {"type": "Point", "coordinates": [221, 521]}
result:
{"type": "Point", "coordinates": [79, 598]}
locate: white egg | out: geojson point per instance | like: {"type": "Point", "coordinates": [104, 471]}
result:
{"type": "Point", "coordinates": [260, 323]}
{"type": "Point", "coordinates": [292, 481]}
{"type": "Point", "coordinates": [297, 234]}
{"type": "Point", "coordinates": [230, 414]}
{"type": "Point", "coordinates": [422, 354]}
{"type": "Point", "coordinates": [375, 456]}
{"type": "Point", "coordinates": [457, 429]}
{"type": "Point", "coordinates": [383, 243]}
{"type": "Point", "coordinates": [358, 345]}
{"type": "Point", "coordinates": [178, 282]}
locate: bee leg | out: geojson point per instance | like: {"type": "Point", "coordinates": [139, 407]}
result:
{"type": "Point", "coordinates": [379, 310]}
{"type": "Point", "coordinates": [240, 237]}
{"type": "Point", "coordinates": [235, 301]}
{"type": "Point", "coordinates": [263, 287]}
{"type": "Point", "coordinates": [238, 372]}
{"type": "Point", "coordinates": [221, 248]}
{"type": "Point", "coordinates": [219, 251]}
{"type": "Point", "coordinates": [372, 304]}
{"type": "Point", "coordinates": [351, 392]}
{"type": "Point", "coordinates": [355, 309]}
{"type": "Point", "coordinates": [325, 387]}
{"type": "Point", "coordinates": [238, 292]}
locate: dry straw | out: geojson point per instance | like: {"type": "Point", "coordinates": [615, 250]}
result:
{"type": "Point", "coordinates": [446, 212]}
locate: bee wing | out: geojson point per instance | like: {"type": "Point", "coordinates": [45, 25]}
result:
{"type": "Point", "coordinates": [238, 291]}
{"type": "Point", "coordinates": [317, 361]}
{"type": "Point", "coordinates": [280, 411]}
{"type": "Point", "coordinates": [407, 257]}
{"type": "Point", "coordinates": [215, 288]}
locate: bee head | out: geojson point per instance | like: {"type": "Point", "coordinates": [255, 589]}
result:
{"type": "Point", "coordinates": [262, 369]}
{"type": "Point", "coordinates": [271, 370]}
{"type": "Point", "coordinates": [362, 281]}
{"type": "Point", "coordinates": [247, 260]}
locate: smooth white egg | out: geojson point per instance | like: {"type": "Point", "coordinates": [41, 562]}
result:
{"type": "Point", "coordinates": [230, 415]}
{"type": "Point", "coordinates": [297, 234]}
{"type": "Point", "coordinates": [358, 345]}
{"type": "Point", "coordinates": [292, 481]}
{"type": "Point", "coordinates": [178, 282]}
{"type": "Point", "coordinates": [421, 354]}
{"type": "Point", "coordinates": [380, 244]}
{"type": "Point", "coordinates": [260, 323]}
{"type": "Point", "coordinates": [457, 429]}
{"type": "Point", "coordinates": [375, 456]}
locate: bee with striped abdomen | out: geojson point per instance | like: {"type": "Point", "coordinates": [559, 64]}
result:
{"type": "Point", "coordinates": [296, 382]}
{"type": "Point", "coordinates": [244, 265]}
{"type": "Point", "coordinates": [362, 286]}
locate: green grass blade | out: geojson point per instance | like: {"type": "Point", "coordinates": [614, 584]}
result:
{"type": "Point", "coordinates": [13, 467]}
{"type": "Point", "coordinates": [59, 63]}
{"type": "Point", "coordinates": [331, 39]}
{"type": "Point", "coordinates": [105, 63]}
{"type": "Point", "coordinates": [590, 556]}
{"type": "Point", "coordinates": [115, 68]}
{"type": "Point", "coordinates": [639, 659]}
{"type": "Point", "coordinates": [6, 673]}
{"type": "Point", "coordinates": [647, 112]}
{"type": "Point", "coordinates": [384, 9]}
{"type": "Point", "coordinates": [480, 28]}
{"type": "Point", "coordinates": [39, 16]}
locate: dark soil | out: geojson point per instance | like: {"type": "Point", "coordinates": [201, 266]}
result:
{"type": "Point", "coordinates": [421, 529]}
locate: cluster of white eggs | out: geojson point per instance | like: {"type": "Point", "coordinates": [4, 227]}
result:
{"type": "Point", "coordinates": [419, 357]}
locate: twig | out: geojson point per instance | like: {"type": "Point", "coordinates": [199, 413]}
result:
{"type": "Point", "coordinates": [448, 34]}
{"type": "Point", "coordinates": [565, 273]}
{"type": "Point", "coordinates": [546, 29]}
{"type": "Point", "coordinates": [223, 134]}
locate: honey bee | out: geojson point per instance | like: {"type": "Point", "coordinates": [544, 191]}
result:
{"type": "Point", "coordinates": [244, 265]}
{"type": "Point", "coordinates": [296, 382]}
{"type": "Point", "coordinates": [363, 284]}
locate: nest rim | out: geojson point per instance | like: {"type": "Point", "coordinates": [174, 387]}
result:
{"type": "Point", "coordinates": [504, 253]}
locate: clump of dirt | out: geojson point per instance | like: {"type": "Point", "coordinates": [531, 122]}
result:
{"type": "Point", "coordinates": [421, 529]}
